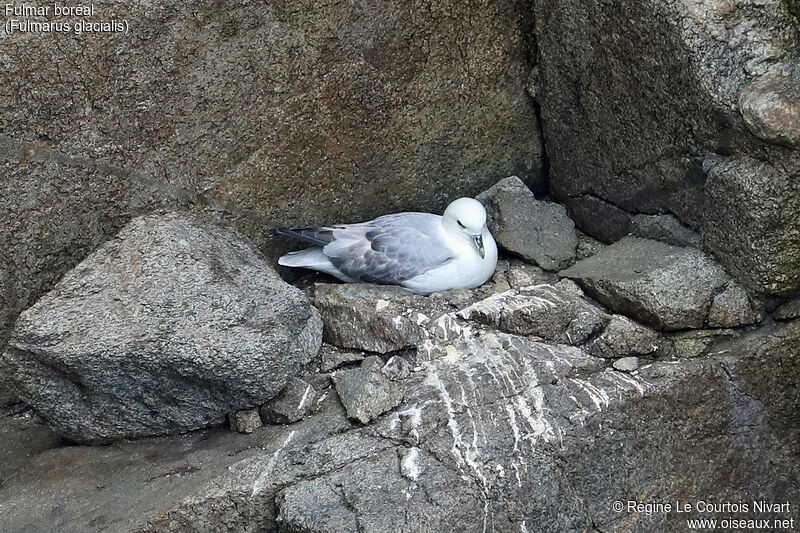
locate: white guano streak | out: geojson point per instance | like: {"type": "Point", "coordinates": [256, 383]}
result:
{"type": "Point", "coordinates": [261, 481]}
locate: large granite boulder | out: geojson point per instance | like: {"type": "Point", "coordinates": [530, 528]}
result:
{"type": "Point", "coordinates": [640, 100]}
{"type": "Point", "coordinates": [169, 327]}
{"type": "Point", "coordinates": [278, 114]}
{"type": "Point", "coordinates": [663, 286]}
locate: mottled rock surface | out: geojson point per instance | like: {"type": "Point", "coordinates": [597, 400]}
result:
{"type": "Point", "coordinates": [789, 310]}
{"type": "Point", "coordinates": [295, 402]}
{"type": "Point", "coordinates": [749, 204]}
{"type": "Point", "coordinates": [169, 327]}
{"type": "Point", "coordinates": [640, 99]}
{"type": "Point", "coordinates": [541, 232]}
{"type": "Point", "coordinates": [587, 246]}
{"type": "Point", "coordinates": [245, 421]}
{"type": "Point", "coordinates": [665, 228]}
{"type": "Point", "coordinates": [622, 337]}
{"type": "Point", "coordinates": [663, 286]}
{"type": "Point", "coordinates": [332, 357]}
{"type": "Point", "coordinates": [366, 393]}
{"type": "Point", "coordinates": [386, 318]}
{"type": "Point", "coordinates": [771, 106]}
{"type": "Point", "coordinates": [278, 114]}
{"type": "Point", "coordinates": [521, 274]}
{"type": "Point", "coordinates": [372, 317]}
{"type": "Point", "coordinates": [542, 310]}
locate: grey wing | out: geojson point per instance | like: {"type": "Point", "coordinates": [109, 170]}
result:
{"type": "Point", "coordinates": [390, 249]}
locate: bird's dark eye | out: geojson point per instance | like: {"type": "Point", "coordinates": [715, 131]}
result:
{"type": "Point", "coordinates": [459, 223]}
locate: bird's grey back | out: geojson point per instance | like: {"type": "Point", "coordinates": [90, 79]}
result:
{"type": "Point", "coordinates": [389, 250]}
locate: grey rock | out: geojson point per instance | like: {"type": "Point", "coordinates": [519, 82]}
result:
{"type": "Point", "coordinates": [167, 328]}
{"type": "Point", "coordinates": [542, 310]}
{"type": "Point", "coordinates": [663, 286]}
{"type": "Point", "coordinates": [665, 228]}
{"type": "Point", "coordinates": [569, 286]}
{"type": "Point", "coordinates": [794, 7]}
{"type": "Point", "coordinates": [540, 232]}
{"type": "Point", "coordinates": [370, 317]}
{"type": "Point", "coordinates": [396, 368]}
{"type": "Point", "coordinates": [367, 394]}
{"type": "Point", "coordinates": [385, 125]}
{"type": "Point", "coordinates": [373, 363]}
{"type": "Point", "coordinates": [23, 435]}
{"type": "Point", "coordinates": [732, 307]}
{"type": "Point", "coordinates": [202, 481]}
{"type": "Point", "coordinates": [624, 338]}
{"type": "Point", "coordinates": [384, 318]}
{"type": "Point", "coordinates": [245, 421]}
{"type": "Point", "coordinates": [788, 311]}
{"type": "Point", "coordinates": [332, 357]}
{"type": "Point", "coordinates": [599, 218]}
{"type": "Point", "coordinates": [770, 106]}
{"type": "Point", "coordinates": [521, 274]}
{"type": "Point", "coordinates": [587, 246]}
{"type": "Point", "coordinates": [630, 122]}
{"type": "Point", "coordinates": [626, 364]}
{"type": "Point", "coordinates": [6, 398]}
{"type": "Point", "coordinates": [295, 402]}
{"type": "Point", "coordinates": [748, 206]}
{"type": "Point", "coordinates": [688, 344]}
{"type": "Point", "coordinates": [769, 374]}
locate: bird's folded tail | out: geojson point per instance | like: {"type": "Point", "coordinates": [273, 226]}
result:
{"type": "Point", "coordinates": [317, 236]}
{"type": "Point", "coordinates": [315, 259]}
{"type": "Point", "coordinates": [308, 258]}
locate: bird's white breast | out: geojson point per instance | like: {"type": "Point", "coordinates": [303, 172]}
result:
{"type": "Point", "coordinates": [466, 271]}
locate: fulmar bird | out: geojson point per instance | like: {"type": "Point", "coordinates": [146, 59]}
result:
{"type": "Point", "coordinates": [421, 252]}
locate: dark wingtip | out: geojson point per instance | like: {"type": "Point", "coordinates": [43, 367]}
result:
{"type": "Point", "coordinates": [282, 233]}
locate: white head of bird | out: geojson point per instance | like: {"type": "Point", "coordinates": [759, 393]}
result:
{"type": "Point", "coordinates": [466, 218]}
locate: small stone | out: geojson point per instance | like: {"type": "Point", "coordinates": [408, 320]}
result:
{"type": "Point", "coordinates": [366, 394]}
{"type": "Point", "coordinates": [373, 362]}
{"type": "Point", "coordinates": [540, 232]}
{"type": "Point", "coordinates": [665, 228]}
{"type": "Point", "coordinates": [521, 274]}
{"type": "Point", "coordinates": [293, 403]}
{"type": "Point", "coordinates": [396, 368]}
{"type": "Point", "coordinates": [332, 357]}
{"type": "Point", "coordinates": [245, 421]}
{"type": "Point", "coordinates": [788, 310]}
{"type": "Point", "coordinates": [587, 246]}
{"type": "Point", "coordinates": [626, 364]}
{"type": "Point", "coordinates": [731, 308]}
{"type": "Point", "coordinates": [770, 106]}
{"type": "Point", "coordinates": [623, 337]}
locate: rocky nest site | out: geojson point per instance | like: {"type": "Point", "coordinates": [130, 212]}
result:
{"type": "Point", "coordinates": [580, 374]}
